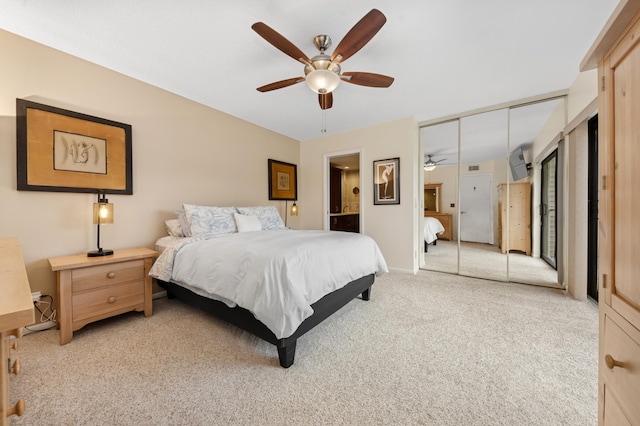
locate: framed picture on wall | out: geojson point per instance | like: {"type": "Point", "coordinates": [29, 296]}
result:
{"type": "Point", "coordinates": [65, 151]}
{"type": "Point", "coordinates": [283, 181]}
{"type": "Point", "coordinates": [386, 181]}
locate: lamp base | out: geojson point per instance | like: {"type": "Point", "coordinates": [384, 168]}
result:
{"type": "Point", "coordinates": [101, 252]}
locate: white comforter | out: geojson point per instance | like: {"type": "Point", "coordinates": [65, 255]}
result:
{"type": "Point", "coordinates": [276, 275]}
{"type": "Point", "coordinates": [432, 227]}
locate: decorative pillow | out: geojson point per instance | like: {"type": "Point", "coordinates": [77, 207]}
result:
{"type": "Point", "coordinates": [247, 223]}
{"type": "Point", "coordinates": [210, 220]}
{"type": "Point", "coordinates": [173, 227]}
{"type": "Point", "coordinates": [186, 229]}
{"type": "Point", "coordinates": [268, 216]}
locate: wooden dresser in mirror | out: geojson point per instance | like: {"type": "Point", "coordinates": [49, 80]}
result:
{"type": "Point", "coordinates": [433, 208]}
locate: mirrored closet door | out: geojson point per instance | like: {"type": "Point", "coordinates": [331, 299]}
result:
{"type": "Point", "coordinates": [440, 196]}
{"type": "Point", "coordinates": [483, 154]}
{"type": "Point", "coordinates": [487, 160]}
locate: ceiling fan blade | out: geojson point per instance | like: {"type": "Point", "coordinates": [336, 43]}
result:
{"type": "Point", "coordinates": [280, 84]}
{"type": "Point", "coordinates": [279, 42]}
{"type": "Point", "coordinates": [359, 35]}
{"type": "Point", "coordinates": [368, 79]}
{"type": "Point", "coordinates": [326, 100]}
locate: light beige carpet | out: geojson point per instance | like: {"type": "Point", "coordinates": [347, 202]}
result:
{"type": "Point", "coordinates": [430, 349]}
{"type": "Point", "coordinates": [487, 261]}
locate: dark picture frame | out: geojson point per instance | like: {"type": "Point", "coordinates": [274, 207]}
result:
{"type": "Point", "coordinates": [386, 181]}
{"type": "Point", "coordinates": [65, 151]}
{"type": "Point", "coordinates": [283, 181]}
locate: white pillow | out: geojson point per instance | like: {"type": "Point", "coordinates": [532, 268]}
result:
{"type": "Point", "coordinates": [268, 215]}
{"type": "Point", "coordinates": [173, 227]}
{"type": "Point", "coordinates": [210, 220]}
{"type": "Point", "coordinates": [247, 223]}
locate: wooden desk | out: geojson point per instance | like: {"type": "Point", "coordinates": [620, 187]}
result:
{"type": "Point", "coordinates": [16, 311]}
{"type": "Point", "coordinates": [93, 288]}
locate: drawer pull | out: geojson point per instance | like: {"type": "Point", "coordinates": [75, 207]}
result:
{"type": "Point", "coordinates": [112, 299]}
{"type": "Point", "coordinates": [16, 410]}
{"type": "Point", "coordinates": [111, 274]}
{"type": "Point", "coordinates": [15, 368]}
{"type": "Point", "coordinates": [611, 362]}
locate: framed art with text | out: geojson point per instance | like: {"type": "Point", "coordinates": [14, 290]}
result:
{"type": "Point", "coordinates": [65, 151]}
{"type": "Point", "coordinates": [386, 181]}
{"type": "Point", "coordinates": [283, 181]}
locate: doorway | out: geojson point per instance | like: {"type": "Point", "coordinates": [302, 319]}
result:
{"type": "Point", "coordinates": [343, 182]}
{"type": "Point", "coordinates": [548, 203]}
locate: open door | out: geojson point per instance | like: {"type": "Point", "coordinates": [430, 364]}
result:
{"type": "Point", "coordinates": [342, 205]}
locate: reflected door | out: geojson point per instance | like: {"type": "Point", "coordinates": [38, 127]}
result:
{"type": "Point", "coordinates": [476, 220]}
{"type": "Point", "coordinates": [548, 209]}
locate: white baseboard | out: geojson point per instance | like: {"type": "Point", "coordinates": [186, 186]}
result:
{"type": "Point", "coordinates": [39, 327]}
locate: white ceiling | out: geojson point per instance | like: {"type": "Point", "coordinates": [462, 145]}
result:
{"type": "Point", "coordinates": [447, 56]}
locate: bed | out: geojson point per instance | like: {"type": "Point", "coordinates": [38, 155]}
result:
{"type": "Point", "coordinates": [253, 272]}
{"type": "Point", "coordinates": [432, 228]}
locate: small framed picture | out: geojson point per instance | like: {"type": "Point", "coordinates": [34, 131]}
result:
{"type": "Point", "coordinates": [283, 181]}
{"type": "Point", "coordinates": [386, 181]}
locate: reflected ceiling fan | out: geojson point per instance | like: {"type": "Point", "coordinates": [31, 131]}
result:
{"type": "Point", "coordinates": [430, 165]}
{"type": "Point", "coordinates": [322, 73]}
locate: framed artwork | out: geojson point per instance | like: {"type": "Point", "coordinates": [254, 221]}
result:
{"type": "Point", "coordinates": [65, 151]}
{"type": "Point", "coordinates": [283, 181]}
{"type": "Point", "coordinates": [386, 181]}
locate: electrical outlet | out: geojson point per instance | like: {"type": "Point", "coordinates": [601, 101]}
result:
{"type": "Point", "coordinates": [36, 296]}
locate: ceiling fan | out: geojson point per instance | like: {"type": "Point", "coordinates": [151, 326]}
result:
{"type": "Point", "coordinates": [430, 165]}
{"type": "Point", "coordinates": [323, 73]}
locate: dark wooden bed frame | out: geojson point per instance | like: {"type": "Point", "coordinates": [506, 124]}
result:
{"type": "Point", "coordinates": [244, 319]}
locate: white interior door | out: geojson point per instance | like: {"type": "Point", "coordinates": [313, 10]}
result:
{"type": "Point", "coordinates": [476, 213]}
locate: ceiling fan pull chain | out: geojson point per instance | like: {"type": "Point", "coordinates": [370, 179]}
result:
{"type": "Point", "coordinates": [324, 121]}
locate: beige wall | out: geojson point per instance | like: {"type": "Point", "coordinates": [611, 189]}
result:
{"type": "Point", "coordinates": [183, 152]}
{"type": "Point", "coordinates": [394, 227]}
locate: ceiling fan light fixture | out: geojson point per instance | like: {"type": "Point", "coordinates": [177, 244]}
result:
{"type": "Point", "coordinates": [322, 81]}
{"type": "Point", "coordinates": [429, 167]}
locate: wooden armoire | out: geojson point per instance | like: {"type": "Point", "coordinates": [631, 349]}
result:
{"type": "Point", "coordinates": [616, 52]}
{"type": "Point", "coordinates": [518, 209]}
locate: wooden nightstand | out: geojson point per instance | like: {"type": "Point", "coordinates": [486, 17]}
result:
{"type": "Point", "coordinates": [93, 288]}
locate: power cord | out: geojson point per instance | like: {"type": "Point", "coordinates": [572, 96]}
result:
{"type": "Point", "coordinates": [45, 307]}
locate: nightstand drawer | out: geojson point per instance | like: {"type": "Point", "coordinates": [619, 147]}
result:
{"type": "Point", "coordinates": [98, 276]}
{"type": "Point", "coordinates": [106, 300]}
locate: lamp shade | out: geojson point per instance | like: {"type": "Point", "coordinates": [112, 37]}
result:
{"type": "Point", "coordinates": [294, 209]}
{"type": "Point", "coordinates": [322, 81]}
{"type": "Point", "coordinates": [429, 167]}
{"type": "Point", "coordinates": [102, 212]}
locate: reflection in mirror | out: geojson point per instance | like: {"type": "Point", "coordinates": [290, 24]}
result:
{"type": "Point", "coordinates": [507, 171]}
{"type": "Point", "coordinates": [483, 166]}
{"type": "Point", "coordinates": [440, 144]}
{"type": "Point", "coordinates": [532, 194]}
{"type": "Point", "coordinates": [432, 202]}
